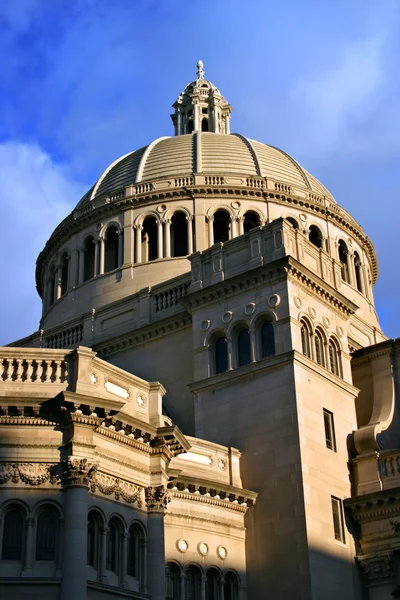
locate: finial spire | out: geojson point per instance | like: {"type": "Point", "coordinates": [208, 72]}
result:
{"type": "Point", "coordinates": [200, 70]}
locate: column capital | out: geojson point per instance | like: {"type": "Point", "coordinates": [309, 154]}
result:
{"type": "Point", "coordinates": [138, 226]}
{"type": "Point", "coordinates": [78, 471]}
{"type": "Point", "coordinates": [189, 218]}
{"type": "Point", "coordinates": [210, 218]}
{"type": "Point", "coordinates": [157, 498]}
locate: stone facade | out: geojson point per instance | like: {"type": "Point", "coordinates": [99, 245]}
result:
{"type": "Point", "coordinates": [218, 266]}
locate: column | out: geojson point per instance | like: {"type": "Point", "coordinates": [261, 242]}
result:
{"type": "Point", "coordinates": [203, 588]}
{"type": "Point", "coordinates": [129, 236]}
{"type": "Point", "coordinates": [160, 238]}
{"type": "Point", "coordinates": [241, 225]}
{"type": "Point", "coordinates": [190, 233]}
{"type": "Point", "coordinates": [167, 238]}
{"type": "Point", "coordinates": [229, 348]}
{"type": "Point", "coordinates": [196, 117]}
{"type": "Point", "coordinates": [103, 556]}
{"type": "Point", "coordinates": [29, 549]}
{"type": "Point", "coordinates": [73, 269]}
{"type": "Point", "coordinates": [77, 475]}
{"type": "Point", "coordinates": [216, 124]}
{"type": "Point", "coordinates": [81, 265]}
{"type": "Point", "coordinates": [228, 120]}
{"type": "Point", "coordinates": [96, 258]}
{"type": "Point", "coordinates": [101, 265]}
{"type": "Point", "coordinates": [138, 236]}
{"type": "Point", "coordinates": [210, 221]}
{"type": "Point", "coordinates": [253, 345]}
{"type": "Point", "coordinates": [156, 500]}
{"type": "Point", "coordinates": [120, 248]}
{"type": "Point", "coordinates": [233, 228]}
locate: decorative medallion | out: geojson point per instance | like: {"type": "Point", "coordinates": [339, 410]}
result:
{"type": "Point", "coordinates": [227, 316]}
{"type": "Point", "coordinates": [205, 325]}
{"type": "Point", "coordinates": [303, 217]}
{"type": "Point", "coordinates": [182, 545]}
{"type": "Point", "coordinates": [339, 331]}
{"type": "Point", "coordinates": [141, 400]}
{"type": "Point", "coordinates": [222, 552]}
{"type": "Point", "coordinates": [274, 300]}
{"type": "Point", "coordinates": [235, 204]}
{"type": "Point", "coordinates": [312, 312]}
{"type": "Point", "coordinates": [162, 208]}
{"type": "Point", "coordinates": [202, 548]}
{"type": "Point", "coordinates": [297, 301]}
{"type": "Point", "coordinates": [94, 379]}
{"type": "Point", "coordinates": [250, 308]}
{"type": "Point", "coordinates": [326, 321]}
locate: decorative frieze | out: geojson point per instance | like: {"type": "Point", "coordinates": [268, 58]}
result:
{"type": "Point", "coordinates": [28, 473]}
{"type": "Point", "coordinates": [378, 570]}
{"type": "Point", "coordinates": [108, 485]}
{"type": "Point", "coordinates": [157, 498]}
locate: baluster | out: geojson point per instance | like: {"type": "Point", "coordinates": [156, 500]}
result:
{"type": "Point", "coordinates": [57, 371]}
{"type": "Point", "coordinates": [29, 370]}
{"type": "Point", "coordinates": [46, 371]}
{"type": "Point", "coordinates": [19, 369]}
{"type": "Point", "coordinates": [65, 368]}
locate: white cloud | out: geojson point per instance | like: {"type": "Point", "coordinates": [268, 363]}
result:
{"type": "Point", "coordinates": [36, 194]}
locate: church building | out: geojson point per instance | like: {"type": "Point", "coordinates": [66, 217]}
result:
{"type": "Point", "coordinates": [209, 409]}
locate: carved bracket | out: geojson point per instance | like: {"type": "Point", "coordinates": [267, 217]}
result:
{"type": "Point", "coordinates": [78, 471]}
{"type": "Point", "coordinates": [157, 498]}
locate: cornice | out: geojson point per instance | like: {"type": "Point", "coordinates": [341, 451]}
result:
{"type": "Point", "coordinates": [375, 506]}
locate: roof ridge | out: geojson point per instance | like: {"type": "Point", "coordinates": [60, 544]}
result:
{"type": "Point", "coordinates": [303, 173]}
{"type": "Point", "coordinates": [252, 150]}
{"type": "Point", "coordinates": [146, 153]}
{"type": "Point", "coordinates": [99, 181]}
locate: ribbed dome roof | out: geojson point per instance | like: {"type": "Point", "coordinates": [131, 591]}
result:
{"type": "Point", "coordinates": [203, 152]}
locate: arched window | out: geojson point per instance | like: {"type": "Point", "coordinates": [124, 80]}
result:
{"type": "Point", "coordinates": [358, 270]}
{"type": "Point", "coordinates": [114, 546]}
{"type": "Point", "coordinates": [172, 582]}
{"type": "Point", "coordinates": [93, 540]}
{"type": "Point", "coordinates": [251, 220]}
{"type": "Point", "coordinates": [319, 348]}
{"type": "Point", "coordinates": [305, 339]}
{"type": "Point", "coordinates": [220, 355]}
{"type": "Point", "coordinates": [136, 549]}
{"type": "Point", "coordinates": [343, 259]}
{"type": "Point", "coordinates": [46, 534]}
{"type": "Point", "coordinates": [213, 585]}
{"type": "Point", "coordinates": [64, 274]}
{"type": "Point", "coordinates": [267, 339]}
{"type": "Point", "coordinates": [315, 236]}
{"type": "Point", "coordinates": [192, 584]}
{"type": "Point", "coordinates": [204, 125]}
{"type": "Point", "coordinates": [334, 358]}
{"type": "Point", "coordinates": [13, 534]}
{"type": "Point", "coordinates": [231, 587]}
{"type": "Point", "coordinates": [243, 347]}
{"type": "Point", "coordinates": [149, 239]}
{"type": "Point", "coordinates": [52, 287]}
{"type": "Point", "coordinates": [111, 250]}
{"type": "Point", "coordinates": [292, 222]}
{"type": "Point", "coordinates": [179, 235]}
{"type": "Point", "coordinates": [190, 126]}
{"type": "Point", "coordinates": [88, 262]}
{"type": "Point", "coordinates": [221, 226]}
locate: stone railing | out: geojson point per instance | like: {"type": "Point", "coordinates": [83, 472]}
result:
{"type": "Point", "coordinates": [389, 468]}
{"type": "Point", "coordinates": [32, 366]}
{"type": "Point", "coordinates": [214, 180]}
{"type": "Point", "coordinates": [68, 338]}
{"type": "Point", "coordinates": [170, 297]}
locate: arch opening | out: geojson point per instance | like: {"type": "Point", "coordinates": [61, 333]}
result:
{"type": "Point", "coordinates": [251, 220]}
{"type": "Point", "coordinates": [150, 239]}
{"type": "Point", "coordinates": [64, 274]}
{"type": "Point", "coordinates": [46, 534]}
{"type": "Point", "coordinates": [88, 262]}
{"type": "Point", "coordinates": [179, 235]}
{"type": "Point", "coordinates": [315, 236]}
{"type": "Point", "coordinates": [243, 347]}
{"type": "Point", "coordinates": [343, 259]}
{"type": "Point", "coordinates": [221, 226]}
{"type": "Point", "coordinates": [267, 339]}
{"type": "Point", "coordinates": [358, 270]}
{"type": "Point", "coordinates": [220, 355]}
{"type": "Point", "coordinates": [13, 534]}
{"type": "Point", "coordinates": [111, 250]}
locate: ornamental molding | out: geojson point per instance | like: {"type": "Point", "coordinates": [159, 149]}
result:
{"type": "Point", "coordinates": [108, 485]}
{"type": "Point", "coordinates": [157, 498]}
{"type": "Point", "coordinates": [208, 495]}
{"type": "Point", "coordinates": [373, 507]}
{"type": "Point", "coordinates": [78, 471]}
{"type": "Point", "coordinates": [29, 473]}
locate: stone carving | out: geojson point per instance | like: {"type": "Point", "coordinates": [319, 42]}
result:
{"type": "Point", "coordinates": [28, 473]}
{"type": "Point", "coordinates": [78, 471]}
{"type": "Point", "coordinates": [113, 485]}
{"type": "Point", "coordinates": [157, 498]}
{"type": "Point", "coordinates": [378, 569]}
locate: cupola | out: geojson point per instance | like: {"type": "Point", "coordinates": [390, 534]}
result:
{"type": "Point", "coordinates": [201, 107]}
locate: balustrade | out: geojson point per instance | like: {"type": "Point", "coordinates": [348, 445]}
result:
{"type": "Point", "coordinates": [33, 370]}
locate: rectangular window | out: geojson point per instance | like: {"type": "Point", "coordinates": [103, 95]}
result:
{"type": "Point", "coordinates": [329, 430]}
{"type": "Point", "coordinates": [338, 522]}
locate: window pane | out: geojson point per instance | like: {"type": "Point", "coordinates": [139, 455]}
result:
{"type": "Point", "coordinates": [46, 535]}
{"type": "Point", "coordinates": [305, 340]}
{"type": "Point", "coordinates": [319, 349]}
{"type": "Point", "coordinates": [244, 352]}
{"type": "Point", "coordinates": [337, 514]}
{"type": "Point", "coordinates": [329, 430]}
{"type": "Point", "coordinates": [221, 355]}
{"type": "Point", "coordinates": [267, 339]}
{"type": "Point", "coordinates": [13, 533]}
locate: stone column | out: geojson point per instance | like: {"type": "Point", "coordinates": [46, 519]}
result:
{"type": "Point", "coordinates": [229, 349]}
{"type": "Point", "coordinates": [228, 120]}
{"type": "Point", "coordinates": [57, 286]}
{"type": "Point", "coordinates": [29, 549]}
{"type": "Point", "coordinates": [190, 233]}
{"type": "Point", "coordinates": [159, 238]}
{"type": "Point", "coordinates": [128, 237]}
{"type": "Point", "coordinates": [103, 556]}
{"type": "Point", "coordinates": [241, 225]}
{"type": "Point", "coordinates": [203, 588]}
{"type": "Point", "coordinates": [101, 265]}
{"type": "Point", "coordinates": [167, 238]}
{"type": "Point", "coordinates": [156, 500]}
{"type": "Point", "coordinates": [120, 248]}
{"type": "Point", "coordinates": [253, 345]}
{"type": "Point", "coordinates": [96, 258]}
{"type": "Point", "coordinates": [138, 235]}
{"type": "Point", "coordinates": [81, 266]}
{"type": "Point", "coordinates": [77, 475]}
{"type": "Point", "coordinates": [233, 228]}
{"type": "Point", "coordinates": [124, 562]}
{"type": "Point", "coordinates": [210, 221]}
{"type": "Point", "coordinates": [73, 269]}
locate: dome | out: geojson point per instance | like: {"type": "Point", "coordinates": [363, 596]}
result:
{"type": "Point", "coordinates": [204, 153]}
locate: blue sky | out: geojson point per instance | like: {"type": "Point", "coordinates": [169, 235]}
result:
{"type": "Point", "coordinates": [86, 81]}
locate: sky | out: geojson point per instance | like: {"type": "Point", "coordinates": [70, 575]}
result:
{"type": "Point", "coordinates": [86, 81]}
